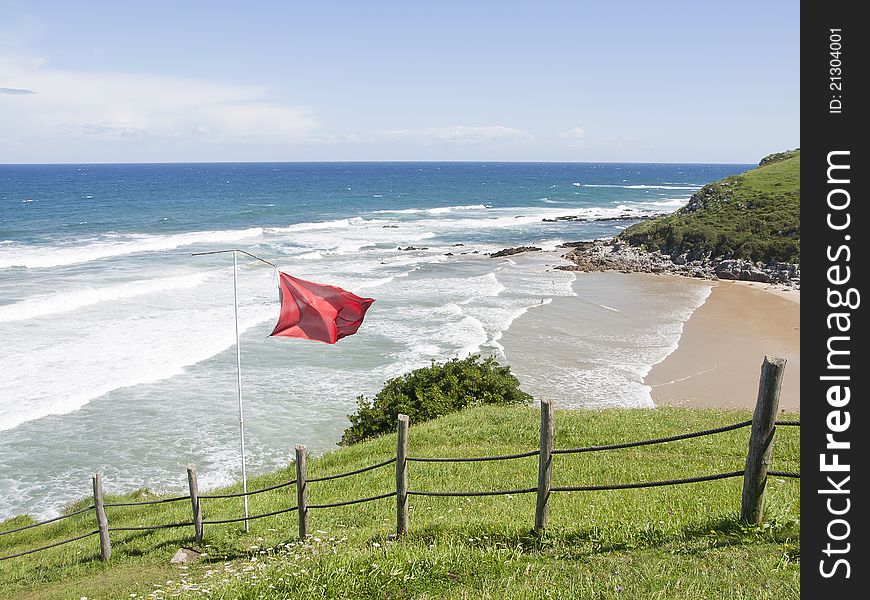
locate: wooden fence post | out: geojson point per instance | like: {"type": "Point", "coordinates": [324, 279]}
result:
{"type": "Point", "coordinates": [545, 465]}
{"type": "Point", "coordinates": [194, 502]}
{"type": "Point", "coordinates": [402, 476]}
{"type": "Point", "coordinates": [302, 490]}
{"type": "Point", "coordinates": [761, 440]}
{"type": "Point", "coordinates": [102, 521]}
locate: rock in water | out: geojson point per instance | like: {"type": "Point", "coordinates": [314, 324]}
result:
{"type": "Point", "coordinates": [512, 251]}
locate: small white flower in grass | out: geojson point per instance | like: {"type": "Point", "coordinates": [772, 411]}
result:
{"type": "Point", "coordinates": [376, 545]}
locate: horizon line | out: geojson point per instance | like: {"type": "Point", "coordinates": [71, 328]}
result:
{"type": "Point", "coordinates": [327, 162]}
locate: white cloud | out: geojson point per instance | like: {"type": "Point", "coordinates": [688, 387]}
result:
{"type": "Point", "coordinates": [14, 91]}
{"type": "Point", "coordinates": [459, 134]}
{"type": "Point", "coordinates": [575, 133]}
{"type": "Point", "coordinates": [77, 106]}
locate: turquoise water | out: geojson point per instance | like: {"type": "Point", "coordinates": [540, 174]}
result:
{"type": "Point", "coordinates": [119, 346]}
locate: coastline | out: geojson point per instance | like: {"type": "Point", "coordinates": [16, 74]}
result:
{"type": "Point", "coordinates": [594, 348]}
{"type": "Point", "coordinates": [719, 354]}
{"type": "Point", "coordinates": [714, 363]}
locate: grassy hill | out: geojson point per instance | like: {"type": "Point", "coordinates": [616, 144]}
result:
{"type": "Point", "coordinates": [753, 216]}
{"type": "Point", "coordinates": [665, 542]}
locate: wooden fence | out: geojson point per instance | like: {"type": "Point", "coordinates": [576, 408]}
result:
{"type": "Point", "coordinates": [755, 473]}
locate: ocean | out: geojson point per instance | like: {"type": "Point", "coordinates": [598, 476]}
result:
{"type": "Point", "coordinates": [118, 347]}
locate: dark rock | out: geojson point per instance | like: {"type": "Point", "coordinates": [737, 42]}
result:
{"type": "Point", "coordinates": [623, 217]}
{"type": "Point", "coordinates": [406, 248]}
{"type": "Point", "coordinates": [512, 251]}
{"type": "Point", "coordinates": [574, 245]}
{"type": "Point", "coordinates": [615, 255]}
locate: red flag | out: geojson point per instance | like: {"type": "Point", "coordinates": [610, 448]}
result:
{"type": "Point", "coordinates": [314, 311]}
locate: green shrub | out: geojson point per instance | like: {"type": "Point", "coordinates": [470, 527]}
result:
{"type": "Point", "coordinates": [433, 391]}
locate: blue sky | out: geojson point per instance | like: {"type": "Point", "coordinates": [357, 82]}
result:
{"type": "Point", "coordinates": [284, 81]}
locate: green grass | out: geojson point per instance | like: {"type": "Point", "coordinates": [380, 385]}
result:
{"type": "Point", "coordinates": [667, 542]}
{"type": "Point", "coordinates": [754, 216]}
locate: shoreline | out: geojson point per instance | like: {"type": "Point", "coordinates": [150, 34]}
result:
{"type": "Point", "coordinates": [719, 354]}
{"type": "Point", "coordinates": [714, 362]}
{"type": "Point", "coordinates": [593, 349]}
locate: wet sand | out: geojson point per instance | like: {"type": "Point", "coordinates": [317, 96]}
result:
{"type": "Point", "coordinates": [573, 349]}
{"type": "Point", "coordinates": [718, 360]}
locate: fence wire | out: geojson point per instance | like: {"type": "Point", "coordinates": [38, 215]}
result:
{"type": "Point", "coordinates": [791, 474]}
{"type": "Point", "coordinates": [250, 518]}
{"type": "Point", "coordinates": [252, 493]}
{"type": "Point", "coordinates": [349, 473]}
{"type": "Point", "coordinates": [661, 440]}
{"type": "Point", "coordinates": [144, 502]}
{"type": "Point", "coordinates": [644, 484]}
{"type": "Point", "coordinates": [75, 539]}
{"type": "Point", "coordinates": [494, 493]}
{"type": "Point", "coordinates": [149, 527]}
{"type": "Point", "coordinates": [349, 502]}
{"type": "Point", "coordinates": [46, 522]}
{"type": "Point", "coordinates": [473, 459]}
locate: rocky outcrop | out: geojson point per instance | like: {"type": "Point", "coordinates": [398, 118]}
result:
{"type": "Point", "coordinates": [743, 270]}
{"type": "Point", "coordinates": [626, 216]}
{"type": "Point", "coordinates": [615, 255]}
{"type": "Point", "coordinates": [512, 251]}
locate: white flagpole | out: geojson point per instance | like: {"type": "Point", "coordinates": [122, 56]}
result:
{"type": "Point", "coordinates": [235, 251]}
{"type": "Point", "coordinates": [239, 379]}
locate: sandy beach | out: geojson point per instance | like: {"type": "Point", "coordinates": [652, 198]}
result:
{"type": "Point", "coordinates": [716, 363]}
{"type": "Point", "coordinates": [723, 343]}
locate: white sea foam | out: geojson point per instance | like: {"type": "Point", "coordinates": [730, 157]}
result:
{"type": "Point", "coordinates": [668, 203]}
{"type": "Point", "coordinates": [137, 342]}
{"type": "Point", "coordinates": [441, 210]}
{"type": "Point", "coordinates": [622, 326]}
{"type": "Point", "coordinates": [335, 224]}
{"type": "Point", "coordinates": [374, 283]}
{"type": "Point", "coordinates": [644, 187]}
{"type": "Point", "coordinates": [117, 245]}
{"type": "Point", "coordinates": [663, 187]}
{"type": "Point", "coordinates": [71, 300]}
